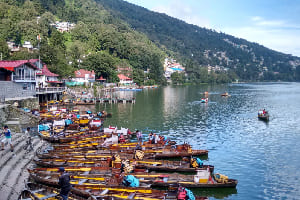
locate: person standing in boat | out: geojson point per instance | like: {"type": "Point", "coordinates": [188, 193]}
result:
{"type": "Point", "coordinates": [139, 136]}
{"type": "Point", "coordinates": [64, 183]}
{"type": "Point", "coordinates": [151, 138]}
{"type": "Point", "coordinates": [122, 138]}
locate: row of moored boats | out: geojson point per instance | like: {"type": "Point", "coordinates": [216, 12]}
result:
{"type": "Point", "coordinates": [107, 163]}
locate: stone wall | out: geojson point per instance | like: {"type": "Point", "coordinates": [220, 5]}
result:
{"type": "Point", "coordinates": [9, 89]}
{"type": "Point", "coordinates": [24, 117]}
{"type": "Point", "coordinates": [31, 103]}
{"type": "Point", "coordinates": [17, 119]}
{"type": "Point", "coordinates": [3, 114]}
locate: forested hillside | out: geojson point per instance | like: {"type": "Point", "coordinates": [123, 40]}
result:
{"type": "Point", "coordinates": [197, 46]}
{"type": "Point", "coordinates": [99, 41]}
{"type": "Point", "coordinates": [112, 33]}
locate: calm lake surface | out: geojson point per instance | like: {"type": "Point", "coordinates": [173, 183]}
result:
{"type": "Point", "coordinates": [263, 157]}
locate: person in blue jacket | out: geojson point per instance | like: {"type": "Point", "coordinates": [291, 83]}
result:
{"type": "Point", "coordinates": [7, 138]}
{"type": "Point", "coordinates": [64, 183]}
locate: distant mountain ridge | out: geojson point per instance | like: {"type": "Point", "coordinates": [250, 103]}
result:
{"type": "Point", "coordinates": [204, 47]}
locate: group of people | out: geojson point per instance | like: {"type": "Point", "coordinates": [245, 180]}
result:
{"type": "Point", "coordinates": [7, 138]}
{"type": "Point", "coordinates": [153, 137]}
{"type": "Point", "coordinates": [262, 112]}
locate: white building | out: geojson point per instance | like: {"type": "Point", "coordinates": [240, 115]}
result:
{"type": "Point", "coordinates": [124, 80]}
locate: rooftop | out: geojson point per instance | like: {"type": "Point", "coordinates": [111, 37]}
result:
{"type": "Point", "coordinates": [12, 64]}
{"type": "Point", "coordinates": [45, 71]}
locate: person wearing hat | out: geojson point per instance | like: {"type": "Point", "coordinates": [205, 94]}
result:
{"type": "Point", "coordinates": [64, 183]}
{"type": "Point", "coordinates": [7, 138]}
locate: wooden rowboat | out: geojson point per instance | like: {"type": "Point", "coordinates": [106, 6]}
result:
{"type": "Point", "coordinates": [149, 154]}
{"type": "Point", "coordinates": [103, 161]}
{"type": "Point", "coordinates": [169, 166]}
{"type": "Point", "coordinates": [225, 94]}
{"type": "Point", "coordinates": [264, 117]}
{"type": "Point", "coordinates": [145, 179]}
{"type": "Point", "coordinates": [36, 191]}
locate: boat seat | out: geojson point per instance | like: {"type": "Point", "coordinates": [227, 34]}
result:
{"type": "Point", "coordinates": [131, 196]}
{"type": "Point", "coordinates": [104, 192]}
{"type": "Point", "coordinates": [82, 181]}
{"type": "Point", "coordinates": [38, 190]}
{"type": "Point", "coordinates": [48, 196]}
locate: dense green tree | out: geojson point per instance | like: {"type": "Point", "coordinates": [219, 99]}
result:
{"type": "Point", "coordinates": [4, 51]}
{"type": "Point", "coordinates": [24, 54]}
{"type": "Point", "coordinates": [177, 78]}
{"type": "Point", "coordinates": [57, 40]}
{"type": "Point", "coordinates": [138, 76]}
{"type": "Point", "coordinates": [103, 64]}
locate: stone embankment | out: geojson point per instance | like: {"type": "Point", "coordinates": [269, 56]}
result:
{"type": "Point", "coordinates": [16, 118]}
{"type": "Point", "coordinates": [13, 166]}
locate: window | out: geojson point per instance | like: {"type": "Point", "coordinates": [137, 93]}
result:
{"type": "Point", "coordinates": [25, 86]}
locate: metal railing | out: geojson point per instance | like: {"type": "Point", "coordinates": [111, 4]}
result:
{"type": "Point", "coordinates": [50, 89]}
{"type": "Point", "coordinates": [24, 78]}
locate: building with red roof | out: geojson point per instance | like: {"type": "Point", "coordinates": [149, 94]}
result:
{"type": "Point", "coordinates": [46, 78]}
{"type": "Point", "coordinates": [19, 71]}
{"type": "Point", "coordinates": [124, 79]}
{"type": "Point", "coordinates": [84, 76]}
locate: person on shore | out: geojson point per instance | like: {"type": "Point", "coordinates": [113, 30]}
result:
{"type": "Point", "coordinates": [27, 132]}
{"type": "Point", "coordinates": [7, 138]}
{"type": "Point", "coordinates": [64, 183]}
{"type": "Point", "coordinates": [28, 138]}
{"type": "Point", "coordinates": [139, 136]}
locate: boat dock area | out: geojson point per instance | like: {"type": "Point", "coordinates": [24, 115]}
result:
{"type": "Point", "coordinates": [86, 97]}
{"type": "Point", "coordinates": [115, 100]}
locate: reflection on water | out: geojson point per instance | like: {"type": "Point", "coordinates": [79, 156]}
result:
{"type": "Point", "coordinates": [264, 157]}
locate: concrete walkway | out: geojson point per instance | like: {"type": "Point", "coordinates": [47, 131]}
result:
{"type": "Point", "coordinates": [13, 166]}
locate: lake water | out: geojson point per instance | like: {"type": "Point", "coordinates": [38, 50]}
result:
{"type": "Point", "coordinates": [263, 157]}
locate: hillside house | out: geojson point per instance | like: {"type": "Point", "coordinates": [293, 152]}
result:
{"type": "Point", "coordinates": [20, 72]}
{"type": "Point", "coordinates": [27, 44]}
{"type": "Point", "coordinates": [124, 80]}
{"type": "Point", "coordinates": [45, 78]}
{"type": "Point", "coordinates": [170, 66]}
{"type": "Point", "coordinates": [84, 76]}
{"type": "Point", "coordinates": [63, 26]}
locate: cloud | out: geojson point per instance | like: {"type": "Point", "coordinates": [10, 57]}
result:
{"type": "Point", "coordinates": [279, 39]}
{"type": "Point", "coordinates": [259, 21]}
{"type": "Point", "coordinates": [180, 10]}
{"type": "Point", "coordinates": [256, 18]}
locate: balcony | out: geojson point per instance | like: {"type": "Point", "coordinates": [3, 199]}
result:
{"type": "Point", "coordinates": [24, 78]}
{"type": "Point", "coordinates": [48, 90]}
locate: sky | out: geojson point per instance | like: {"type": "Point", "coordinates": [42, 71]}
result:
{"type": "Point", "coordinates": [272, 23]}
